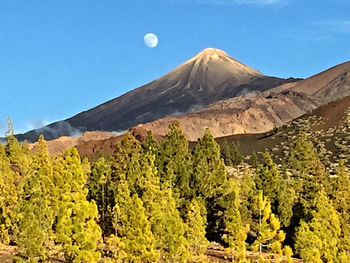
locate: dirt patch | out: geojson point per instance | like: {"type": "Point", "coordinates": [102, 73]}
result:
{"type": "Point", "coordinates": [7, 253]}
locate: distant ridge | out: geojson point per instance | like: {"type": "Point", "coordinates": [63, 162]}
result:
{"type": "Point", "coordinates": [210, 76]}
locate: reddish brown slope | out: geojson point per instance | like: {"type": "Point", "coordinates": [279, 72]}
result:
{"type": "Point", "coordinates": [95, 148]}
{"type": "Point", "coordinates": [92, 144]}
{"type": "Point", "coordinates": [329, 80]}
{"type": "Point", "coordinates": [59, 145]}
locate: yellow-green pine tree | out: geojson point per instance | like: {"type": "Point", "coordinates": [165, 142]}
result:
{"type": "Point", "coordinates": [20, 157]}
{"type": "Point", "coordinates": [269, 236]}
{"type": "Point", "coordinates": [76, 231]}
{"type": "Point", "coordinates": [247, 196]}
{"type": "Point", "coordinates": [166, 224]}
{"type": "Point", "coordinates": [341, 202]}
{"type": "Point", "coordinates": [8, 198]}
{"type": "Point", "coordinates": [132, 229]}
{"type": "Point", "coordinates": [318, 240]}
{"type": "Point", "coordinates": [236, 231]}
{"type": "Point", "coordinates": [195, 230]}
{"type": "Point", "coordinates": [288, 252]}
{"type": "Point", "coordinates": [37, 208]}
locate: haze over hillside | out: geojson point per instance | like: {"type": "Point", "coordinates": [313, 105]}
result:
{"type": "Point", "coordinates": [208, 77]}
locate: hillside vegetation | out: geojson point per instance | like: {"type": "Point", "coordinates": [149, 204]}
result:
{"type": "Point", "coordinates": [164, 202]}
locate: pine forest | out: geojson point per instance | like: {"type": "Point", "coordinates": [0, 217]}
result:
{"type": "Point", "coordinates": [172, 201]}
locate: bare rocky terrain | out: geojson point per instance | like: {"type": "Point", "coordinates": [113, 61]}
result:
{"type": "Point", "coordinates": [253, 113]}
{"type": "Point", "coordinates": [260, 112]}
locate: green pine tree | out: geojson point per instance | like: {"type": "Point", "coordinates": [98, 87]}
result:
{"type": "Point", "coordinates": [102, 192]}
{"type": "Point", "coordinates": [309, 169]}
{"type": "Point", "coordinates": [230, 153]}
{"type": "Point", "coordinates": [166, 224]}
{"type": "Point", "coordinates": [175, 165]}
{"type": "Point", "coordinates": [281, 194]}
{"type": "Point", "coordinates": [304, 157]}
{"type": "Point", "coordinates": [150, 144]}
{"type": "Point", "coordinates": [132, 229]}
{"type": "Point", "coordinates": [210, 183]}
{"type": "Point", "coordinates": [318, 239]}
{"type": "Point", "coordinates": [209, 167]}
{"type": "Point", "coordinates": [254, 160]}
{"type": "Point", "coordinates": [309, 177]}
{"type": "Point", "coordinates": [126, 161]}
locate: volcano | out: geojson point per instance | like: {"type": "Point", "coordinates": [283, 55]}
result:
{"type": "Point", "coordinates": [208, 77]}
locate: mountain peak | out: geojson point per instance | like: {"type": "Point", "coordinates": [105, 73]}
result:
{"type": "Point", "coordinates": [212, 52]}
{"type": "Point", "coordinates": [219, 60]}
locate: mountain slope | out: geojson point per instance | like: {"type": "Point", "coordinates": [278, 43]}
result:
{"type": "Point", "coordinates": [260, 112]}
{"type": "Point", "coordinates": [325, 124]}
{"type": "Point", "coordinates": [328, 127]}
{"type": "Point", "coordinates": [210, 76]}
{"type": "Point", "coordinates": [325, 83]}
{"type": "Point", "coordinates": [252, 113]}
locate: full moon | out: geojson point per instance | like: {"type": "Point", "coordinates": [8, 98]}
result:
{"type": "Point", "coordinates": [151, 40]}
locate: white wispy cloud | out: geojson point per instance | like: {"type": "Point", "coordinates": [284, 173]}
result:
{"type": "Point", "coordinates": [320, 31]}
{"type": "Point", "coordinates": [334, 26]}
{"type": "Point", "coordinates": [243, 2]}
{"type": "Point", "coordinates": [260, 2]}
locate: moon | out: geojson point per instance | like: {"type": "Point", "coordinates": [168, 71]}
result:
{"type": "Point", "coordinates": [151, 40]}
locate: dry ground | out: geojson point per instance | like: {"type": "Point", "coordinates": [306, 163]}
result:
{"type": "Point", "coordinates": [7, 253]}
{"type": "Point", "coordinates": [215, 254]}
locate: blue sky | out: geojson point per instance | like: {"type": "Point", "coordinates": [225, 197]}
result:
{"type": "Point", "coordinates": [60, 57]}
